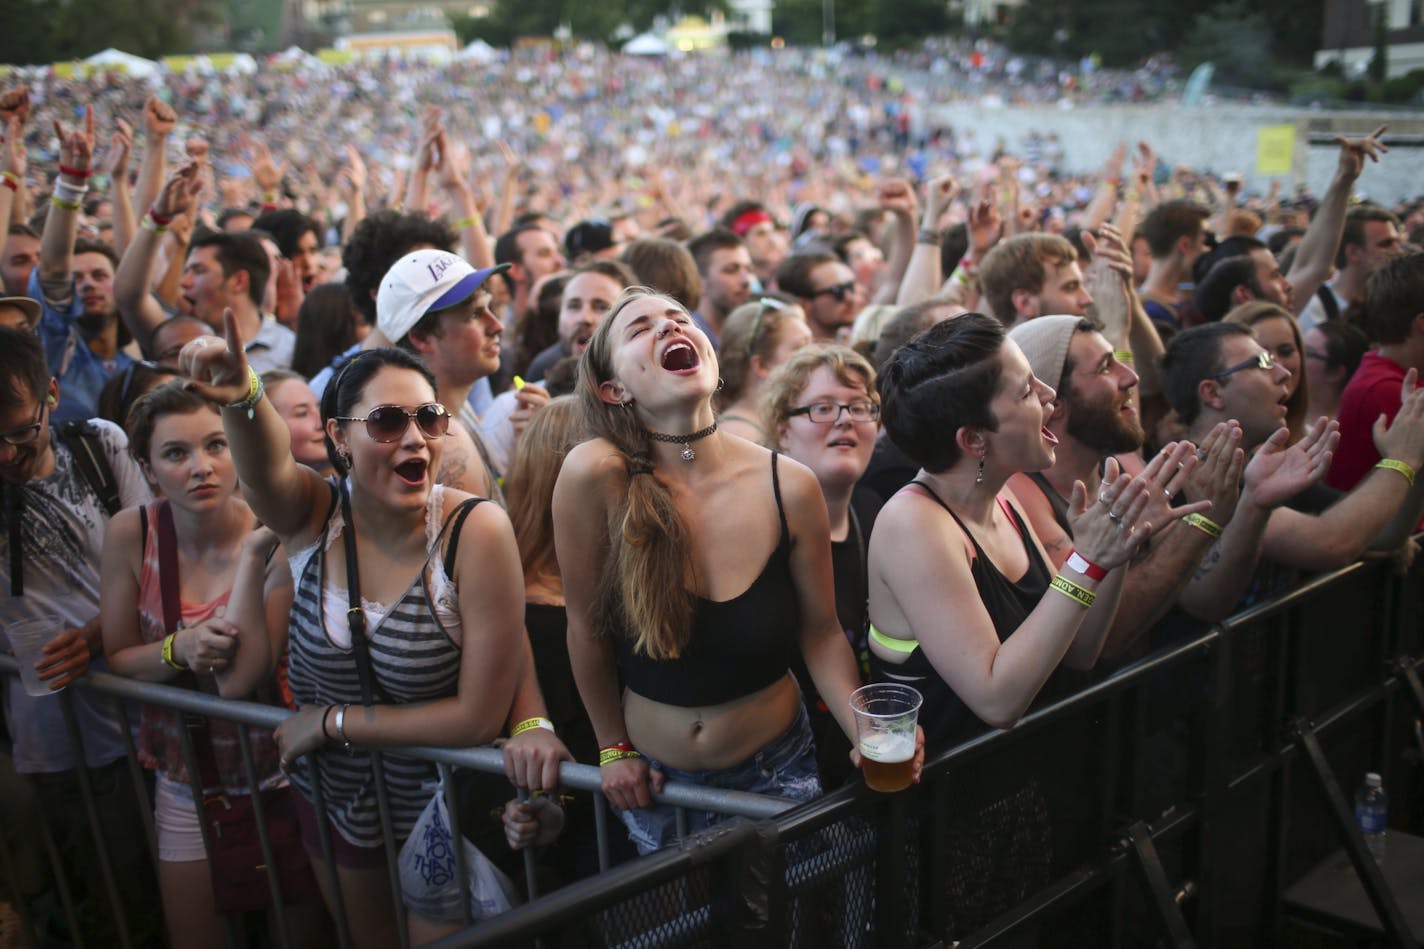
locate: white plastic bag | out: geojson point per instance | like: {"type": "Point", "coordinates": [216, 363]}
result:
{"type": "Point", "coordinates": [429, 883]}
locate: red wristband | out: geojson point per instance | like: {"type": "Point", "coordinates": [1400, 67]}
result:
{"type": "Point", "coordinates": [159, 219]}
{"type": "Point", "coordinates": [1083, 565]}
{"type": "Point", "coordinates": [11, 181]}
{"type": "Point", "coordinates": [75, 172]}
{"type": "Point", "coordinates": [618, 746]}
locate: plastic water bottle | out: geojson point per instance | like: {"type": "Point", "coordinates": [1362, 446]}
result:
{"type": "Point", "coordinates": [1371, 810]}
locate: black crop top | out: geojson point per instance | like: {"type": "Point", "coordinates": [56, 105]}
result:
{"type": "Point", "coordinates": [738, 646]}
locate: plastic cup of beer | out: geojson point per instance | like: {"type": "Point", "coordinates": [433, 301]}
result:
{"type": "Point", "coordinates": [885, 717]}
{"type": "Point", "coordinates": [28, 637]}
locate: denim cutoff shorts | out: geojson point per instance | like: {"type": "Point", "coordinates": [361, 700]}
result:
{"type": "Point", "coordinates": [786, 767]}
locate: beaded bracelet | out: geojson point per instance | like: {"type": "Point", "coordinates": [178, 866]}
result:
{"type": "Point", "coordinates": [1072, 591]}
{"type": "Point", "coordinates": [1203, 523]}
{"type": "Point", "coordinates": [166, 653]}
{"type": "Point", "coordinates": [1403, 467]}
{"type": "Point", "coordinates": [254, 394]}
{"type": "Point", "coordinates": [529, 724]}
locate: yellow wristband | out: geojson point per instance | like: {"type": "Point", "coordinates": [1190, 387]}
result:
{"type": "Point", "coordinates": [529, 724]}
{"type": "Point", "coordinates": [254, 393]}
{"type": "Point", "coordinates": [610, 755]}
{"type": "Point", "coordinates": [1122, 355]}
{"type": "Point", "coordinates": [1403, 467]}
{"type": "Point", "coordinates": [166, 652]}
{"type": "Point", "coordinates": [1204, 524]}
{"type": "Point", "coordinates": [465, 222]}
{"type": "Point", "coordinates": [1072, 591]}
{"type": "Point", "coordinates": [59, 202]}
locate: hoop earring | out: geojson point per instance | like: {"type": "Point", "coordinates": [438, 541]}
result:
{"type": "Point", "coordinates": [979, 477]}
{"type": "Point", "coordinates": [720, 383]}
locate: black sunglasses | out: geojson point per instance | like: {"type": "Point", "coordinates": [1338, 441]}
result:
{"type": "Point", "coordinates": [840, 291]}
{"type": "Point", "coordinates": [1262, 360]}
{"type": "Point", "coordinates": [387, 423]}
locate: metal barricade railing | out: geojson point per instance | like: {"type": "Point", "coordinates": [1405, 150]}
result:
{"type": "Point", "coordinates": [855, 868]}
{"type": "Point", "coordinates": [249, 715]}
{"type": "Point", "coordinates": [1146, 863]}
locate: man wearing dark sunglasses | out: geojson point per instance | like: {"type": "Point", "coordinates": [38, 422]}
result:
{"type": "Point", "coordinates": [1218, 372]}
{"type": "Point", "coordinates": [433, 303]}
{"type": "Point", "coordinates": [826, 289]}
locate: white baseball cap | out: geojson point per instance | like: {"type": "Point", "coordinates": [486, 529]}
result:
{"type": "Point", "coordinates": [422, 281]}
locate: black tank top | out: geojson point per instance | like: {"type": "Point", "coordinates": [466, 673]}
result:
{"type": "Point", "coordinates": [945, 718]}
{"type": "Point", "coordinates": [738, 646]}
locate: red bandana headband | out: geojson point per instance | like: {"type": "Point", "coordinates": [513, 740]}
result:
{"type": "Point", "coordinates": [750, 220]}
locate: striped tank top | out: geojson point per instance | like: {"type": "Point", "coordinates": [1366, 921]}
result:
{"type": "Point", "coordinates": [413, 659]}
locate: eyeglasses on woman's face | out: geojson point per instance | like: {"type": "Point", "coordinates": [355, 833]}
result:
{"type": "Point", "coordinates": [826, 413]}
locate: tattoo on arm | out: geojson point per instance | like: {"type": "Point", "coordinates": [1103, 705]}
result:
{"type": "Point", "coordinates": [1209, 562]}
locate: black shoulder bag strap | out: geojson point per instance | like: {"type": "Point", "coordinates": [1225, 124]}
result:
{"type": "Point", "coordinates": [355, 614]}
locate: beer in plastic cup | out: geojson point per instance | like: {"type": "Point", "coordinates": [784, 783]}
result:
{"type": "Point", "coordinates": [885, 717]}
{"type": "Point", "coordinates": [27, 639]}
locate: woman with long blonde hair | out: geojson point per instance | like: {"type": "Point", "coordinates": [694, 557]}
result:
{"type": "Point", "coordinates": [693, 564]}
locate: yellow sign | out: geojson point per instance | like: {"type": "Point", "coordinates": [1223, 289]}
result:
{"type": "Point", "coordinates": [1275, 149]}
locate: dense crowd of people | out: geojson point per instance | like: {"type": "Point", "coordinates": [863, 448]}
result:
{"type": "Point", "coordinates": [618, 413]}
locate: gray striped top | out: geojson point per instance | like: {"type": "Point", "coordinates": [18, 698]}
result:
{"type": "Point", "coordinates": [413, 659]}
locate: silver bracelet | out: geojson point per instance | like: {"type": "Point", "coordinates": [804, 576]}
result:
{"type": "Point", "coordinates": [341, 728]}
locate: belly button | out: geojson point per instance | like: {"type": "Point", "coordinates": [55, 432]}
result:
{"type": "Point", "coordinates": [697, 727]}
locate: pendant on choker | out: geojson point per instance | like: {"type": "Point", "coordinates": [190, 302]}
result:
{"type": "Point", "coordinates": [684, 440]}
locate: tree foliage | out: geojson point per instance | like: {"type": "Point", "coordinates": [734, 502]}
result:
{"type": "Point", "coordinates": [1123, 32]}
{"type": "Point", "coordinates": [72, 29]}
{"type": "Point", "coordinates": [512, 19]}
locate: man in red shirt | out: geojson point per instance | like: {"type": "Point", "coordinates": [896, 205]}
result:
{"type": "Point", "coordinates": [1394, 318]}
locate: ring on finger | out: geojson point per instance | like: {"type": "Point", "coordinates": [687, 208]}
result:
{"type": "Point", "coordinates": [1114, 517]}
{"type": "Point", "coordinates": [1201, 454]}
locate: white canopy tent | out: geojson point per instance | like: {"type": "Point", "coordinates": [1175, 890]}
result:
{"type": "Point", "coordinates": [124, 62]}
{"type": "Point", "coordinates": [646, 44]}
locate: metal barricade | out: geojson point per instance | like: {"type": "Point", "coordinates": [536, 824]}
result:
{"type": "Point", "coordinates": [250, 715]}
{"type": "Point", "coordinates": [1188, 771]}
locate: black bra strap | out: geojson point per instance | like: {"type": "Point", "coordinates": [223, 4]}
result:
{"type": "Point", "coordinates": [454, 523]}
{"type": "Point", "coordinates": [776, 490]}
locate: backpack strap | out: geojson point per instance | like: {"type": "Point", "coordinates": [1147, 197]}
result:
{"type": "Point", "coordinates": [83, 441]}
{"type": "Point", "coordinates": [1326, 296]}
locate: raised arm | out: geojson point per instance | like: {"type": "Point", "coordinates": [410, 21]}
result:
{"type": "Point", "coordinates": [158, 122]}
{"type": "Point", "coordinates": [287, 497]}
{"type": "Point", "coordinates": [1316, 253]}
{"type": "Point", "coordinates": [116, 167]}
{"type": "Point", "coordinates": [15, 114]}
{"type": "Point", "coordinates": [898, 197]}
{"type": "Point", "coordinates": [137, 306]}
{"type": "Point", "coordinates": [76, 154]}
{"type": "Point", "coordinates": [925, 273]}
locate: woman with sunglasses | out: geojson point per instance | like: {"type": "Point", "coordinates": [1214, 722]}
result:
{"type": "Point", "coordinates": [822, 410]}
{"type": "Point", "coordinates": [233, 595]}
{"type": "Point", "coordinates": [756, 338]}
{"type": "Point", "coordinates": [694, 564]}
{"type": "Point", "coordinates": [445, 644]}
